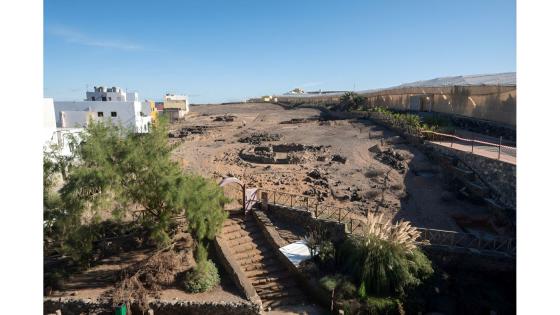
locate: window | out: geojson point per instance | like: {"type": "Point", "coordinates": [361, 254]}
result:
{"type": "Point", "coordinates": [113, 114]}
{"type": "Point", "coordinates": [93, 98]}
{"type": "Point", "coordinates": [104, 98]}
{"type": "Point", "coordinates": [109, 98]}
{"type": "Point", "coordinates": [99, 114]}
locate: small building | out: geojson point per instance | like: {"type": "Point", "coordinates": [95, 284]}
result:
{"type": "Point", "coordinates": [149, 109]}
{"type": "Point", "coordinates": [176, 105]}
{"type": "Point", "coordinates": [112, 104]}
{"type": "Point", "coordinates": [159, 106]}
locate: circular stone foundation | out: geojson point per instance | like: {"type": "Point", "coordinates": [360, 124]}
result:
{"type": "Point", "coordinates": [290, 153]}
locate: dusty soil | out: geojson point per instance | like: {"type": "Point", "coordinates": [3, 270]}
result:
{"type": "Point", "coordinates": [99, 281]}
{"type": "Point", "coordinates": [348, 171]}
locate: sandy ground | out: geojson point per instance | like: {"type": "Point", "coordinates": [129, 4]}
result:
{"type": "Point", "coordinates": [414, 195]}
{"type": "Point", "coordinates": [98, 281]}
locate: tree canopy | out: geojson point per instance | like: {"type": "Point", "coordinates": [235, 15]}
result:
{"type": "Point", "coordinates": [117, 170]}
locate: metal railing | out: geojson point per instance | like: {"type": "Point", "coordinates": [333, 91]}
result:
{"type": "Point", "coordinates": [358, 225]}
{"type": "Point", "coordinates": [498, 151]}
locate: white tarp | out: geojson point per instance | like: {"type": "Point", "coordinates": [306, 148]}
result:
{"type": "Point", "coordinates": [296, 252]}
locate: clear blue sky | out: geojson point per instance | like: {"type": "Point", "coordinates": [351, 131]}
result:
{"type": "Point", "coordinates": [217, 51]}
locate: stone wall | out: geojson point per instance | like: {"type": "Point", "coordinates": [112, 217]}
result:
{"type": "Point", "coordinates": [73, 306]}
{"type": "Point", "coordinates": [227, 259]}
{"type": "Point", "coordinates": [488, 102]}
{"type": "Point", "coordinates": [310, 284]}
{"type": "Point", "coordinates": [499, 176]}
{"type": "Point", "coordinates": [336, 230]}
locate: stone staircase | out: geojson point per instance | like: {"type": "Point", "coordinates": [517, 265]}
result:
{"type": "Point", "coordinates": [272, 281]}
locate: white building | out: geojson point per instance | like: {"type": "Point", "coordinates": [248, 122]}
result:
{"type": "Point", "coordinates": [176, 106]}
{"type": "Point", "coordinates": [112, 104]}
{"type": "Point", "coordinates": [53, 136]}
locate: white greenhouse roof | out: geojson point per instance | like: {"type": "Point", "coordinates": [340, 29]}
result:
{"type": "Point", "coordinates": [504, 79]}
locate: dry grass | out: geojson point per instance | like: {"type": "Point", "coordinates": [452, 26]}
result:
{"type": "Point", "coordinates": [402, 232]}
{"type": "Point", "coordinates": [147, 278]}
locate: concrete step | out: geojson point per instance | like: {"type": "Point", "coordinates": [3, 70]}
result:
{"type": "Point", "coordinates": [263, 271]}
{"type": "Point", "coordinates": [251, 253]}
{"type": "Point", "coordinates": [274, 303]}
{"type": "Point", "coordinates": [239, 234]}
{"type": "Point", "coordinates": [246, 239]}
{"type": "Point", "coordinates": [274, 295]}
{"type": "Point", "coordinates": [247, 246]}
{"type": "Point", "coordinates": [230, 229]}
{"type": "Point", "coordinates": [275, 286]}
{"type": "Point", "coordinates": [259, 264]}
{"type": "Point", "coordinates": [275, 277]}
{"type": "Point", "coordinates": [268, 257]}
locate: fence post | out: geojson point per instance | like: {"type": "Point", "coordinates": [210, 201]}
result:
{"type": "Point", "coordinates": [274, 197]}
{"type": "Point", "coordinates": [264, 197]}
{"type": "Point", "coordinates": [500, 148]}
{"type": "Point", "coordinates": [452, 140]}
{"type": "Point", "coordinates": [339, 215]}
{"type": "Point", "coordinates": [316, 211]}
{"type": "Point", "coordinates": [291, 201]}
{"type": "Point", "coordinates": [307, 204]}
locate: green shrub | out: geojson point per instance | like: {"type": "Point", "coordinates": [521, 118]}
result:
{"type": "Point", "coordinates": [347, 289]}
{"type": "Point", "coordinates": [383, 306]}
{"type": "Point", "coordinates": [330, 282]}
{"type": "Point", "coordinates": [326, 252]}
{"type": "Point", "coordinates": [382, 267]}
{"type": "Point", "coordinates": [202, 278]}
{"type": "Point", "coordinates": [344, 288]}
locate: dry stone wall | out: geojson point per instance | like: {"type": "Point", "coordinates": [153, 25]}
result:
{"type": "Point", "coordinates": [500, 176]}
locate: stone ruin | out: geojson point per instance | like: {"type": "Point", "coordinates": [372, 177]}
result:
{"type": "Point", "coordinates": [290, 153]}
{"type": "Point", "coordinates": [258, 138]}
{"type": "Point", "coordinates": [389, 157]}
{"type": "Point", "coordinates": [186, 131]}
{"type": "Point", "coordinates": [226, 117]}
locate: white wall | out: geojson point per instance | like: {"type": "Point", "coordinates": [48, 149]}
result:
{"type": "Point", "coordinates": [128, 113]}
{"type": "Point", "coordinates": [74, 119]}
{"type": "Point", "coordinates": [49, 119]}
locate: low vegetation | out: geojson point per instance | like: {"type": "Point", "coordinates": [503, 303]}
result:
{"type": "Point", "coordinates": [373, 271]}
{"type": "Point", "coordinates": [352, 101]}
{"type": "Point", "coordinates": [121, 179]}
{"type": "Point", "coordinates": [204, 276]}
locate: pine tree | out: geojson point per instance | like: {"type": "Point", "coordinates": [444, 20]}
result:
{"type": "Point", "coordinates": [117, 169]}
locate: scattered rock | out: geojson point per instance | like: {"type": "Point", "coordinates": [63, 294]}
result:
{"type": "Point", "coordinates": [391, 158]}
{"type": "Point", "coordinates": [225, 117]}
{"type": "Point", "coordinates": [376, 149]}
{"type": "Point", "coordinates": [314, 174]}
{"type": "Point", "coordinates": [258, 138]}
{"type": "Point", "coordinates": [338, 158]}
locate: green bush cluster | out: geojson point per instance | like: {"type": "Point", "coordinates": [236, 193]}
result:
{"type": "Point", "coordinates": [383, 268]}
{"type": "Point", "coordinates": [341, 285]}
{"type": "Point", "coordinates": [410, 122]}
{"type": "Point", "coordinates": [383, 306]}
{"type": "Point", "coordinates": [202, 278]}
{"type": "Point", "coordinates": [352, 101]}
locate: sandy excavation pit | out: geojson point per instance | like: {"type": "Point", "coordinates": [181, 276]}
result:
{"type": "Point", "coordinates": [348, 163]}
